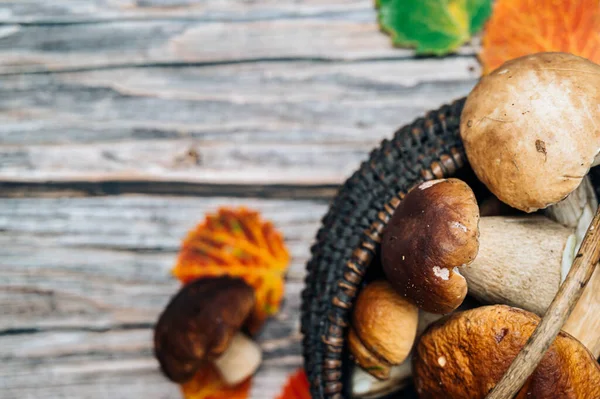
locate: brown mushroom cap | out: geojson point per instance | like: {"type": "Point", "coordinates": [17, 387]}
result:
{"type": "Point", "coordinates": [432, 233]}
{"type": "Point", "coordinates": [199, 323]}
{"type": "Point", "coordinates": [386, 325]}
{"type": "Point", "coordinates": [465, 355]}
{"type": "Point", "coordinates": [531, 128]}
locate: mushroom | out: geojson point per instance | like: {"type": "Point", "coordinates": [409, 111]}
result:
{"type": "Point", "coordinates": [384, 326]}
{"type": "Point", "coordinates": [465, 355]}
{"type": "Point", "coordinates": [201, 324]}
{"type": "Point", "coordinates": [531, 133]}
{"type": "Point", "coordinates": [365, 386]}
{"type": "Point", "coordinates": [522, 261]}
{"type": "Point", "coordinates": [501, 274]}
{"type": "Point", "coordinates": [531, 128]}
{"type": "Point", "coordinates": [432, 233]}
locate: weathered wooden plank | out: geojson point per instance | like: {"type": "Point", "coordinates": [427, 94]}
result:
{"type": "Point", "coordinates": [282, 123]}
{"type": "Point", "coordinates": [119, 377]}
{"type": "Point", "coordinates": [104, 262]}
{"type": "Point", "coordinates": [88, 11]}
{"type": "Point", "coordinates": [82, 281]}
{"type": "Point", "coordinates": [50, 47]}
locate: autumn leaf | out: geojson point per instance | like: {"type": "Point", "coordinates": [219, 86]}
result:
{"type": "Point", "coordinates": [207, 384]}
{"type": "Point", "coordinates": [521, 27]}
{"type": "Point", "coordinates": [237, 242]}
{"type": "Point", "coordinates": [297, 387]}
{"type": "Point", "coordinates": [432, 26]}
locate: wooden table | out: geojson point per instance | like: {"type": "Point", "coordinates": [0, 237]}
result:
{"type": "Point", "coordinates": [123, 121]}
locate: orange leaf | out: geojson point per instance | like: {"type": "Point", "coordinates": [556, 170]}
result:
{"type": "Point", "coordinates": [237, 242]}
{"type": "Point", "coordinates": [297, 387]}
{"type": "Point", "coordinates": [207, 384]}
{"type": "Point", "coordinates": [521, 27]}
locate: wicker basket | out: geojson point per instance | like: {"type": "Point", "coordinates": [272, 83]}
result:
{"type": "Point", "coordinates": [348, 241]}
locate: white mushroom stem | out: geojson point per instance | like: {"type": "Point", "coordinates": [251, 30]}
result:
{"type": "Point", "coordinates": [240, 360]}
{"type": "Point", "coordinates": [596, 160]}
{"type": "Point", "coordinates": [577, 210]}
{"type": "Point", "coordinates": [365, 386]}
{"type": "Point", "coordinates": [521, 261]}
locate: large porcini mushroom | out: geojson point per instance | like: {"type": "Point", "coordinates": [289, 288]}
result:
{"type": "Point", "coordinates": [432, 233]}
{"type": "Point", "coordinates": [466, 354]}
{"type": "Point", "coordinates": [384, 326]}
{"type": "Point", "coordinates": [531, 128]}
{"type": "Point", "coordinates": [202, 324]}
{"type": "Point", "coordinates": [531, 131]}
{"type": "Point", "coordinates": [522, 262]}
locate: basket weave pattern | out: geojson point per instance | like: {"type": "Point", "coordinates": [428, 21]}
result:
{"type": "Point", "coordinates": [429, 148]}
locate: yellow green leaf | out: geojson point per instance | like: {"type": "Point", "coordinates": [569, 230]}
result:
{"type": "Point", "coordinates": [432, 26]}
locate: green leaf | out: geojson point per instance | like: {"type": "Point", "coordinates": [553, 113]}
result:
{"type": "Point", "coordinates": [432, 26]}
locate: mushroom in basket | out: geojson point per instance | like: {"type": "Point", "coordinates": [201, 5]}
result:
{"type": "Point", "coordinates": [202, 325]}
{"type": "Point", "coordinates": [384, 326]}
{"type": "Point", "coordinates": [531, 131]}
{"type": "Point", "coordinates": [436, 238]}
{"type": "Point", "coordinates": [433, 232]}
{"type": "Point", "coordinates": [520, 261]}
{"type": "Point", "coordinates": [531, 128]}
{"type": "Point", "coordinates": [464, 355]}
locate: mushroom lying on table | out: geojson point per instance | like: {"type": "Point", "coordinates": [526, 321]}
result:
{"type": "Point", "coordinates": [465, 355]}
{"type": "Point", "coordinates": [530, 130]}
{"type": "Point", "coordinates": [202, 324]}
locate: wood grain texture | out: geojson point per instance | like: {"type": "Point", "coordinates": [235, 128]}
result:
{"type": "Point", "coordinates": [89, 11]}
{"type": "Point", "coordinates": [82, 282]}
{"type": "Point", "coordinates": [208, 98]}
{"type": "Point", "coordinates": [49, 47]}
{"type": "Point", "coordinates": [265, 123]}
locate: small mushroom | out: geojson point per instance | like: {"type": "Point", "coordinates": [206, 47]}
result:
{"type": "Point", "coordinates": [530, 128]}
{"type": "Point", "coordinates": [365, 386]}
{"type": "Point", "coordinates": [384, 326]}
{"type": "Point", "coordinates": [464, 356]}
{"type": "Point", "coordinates": [432, 233]}
{"type": "Point", "coordinates": [202, 324]}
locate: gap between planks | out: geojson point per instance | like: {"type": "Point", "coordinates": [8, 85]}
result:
{"type": "Point", "coordinates": [20, 189]}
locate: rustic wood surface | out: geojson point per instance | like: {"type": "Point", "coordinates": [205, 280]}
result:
{"type": "Point", "coordinates": [123, 121]}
